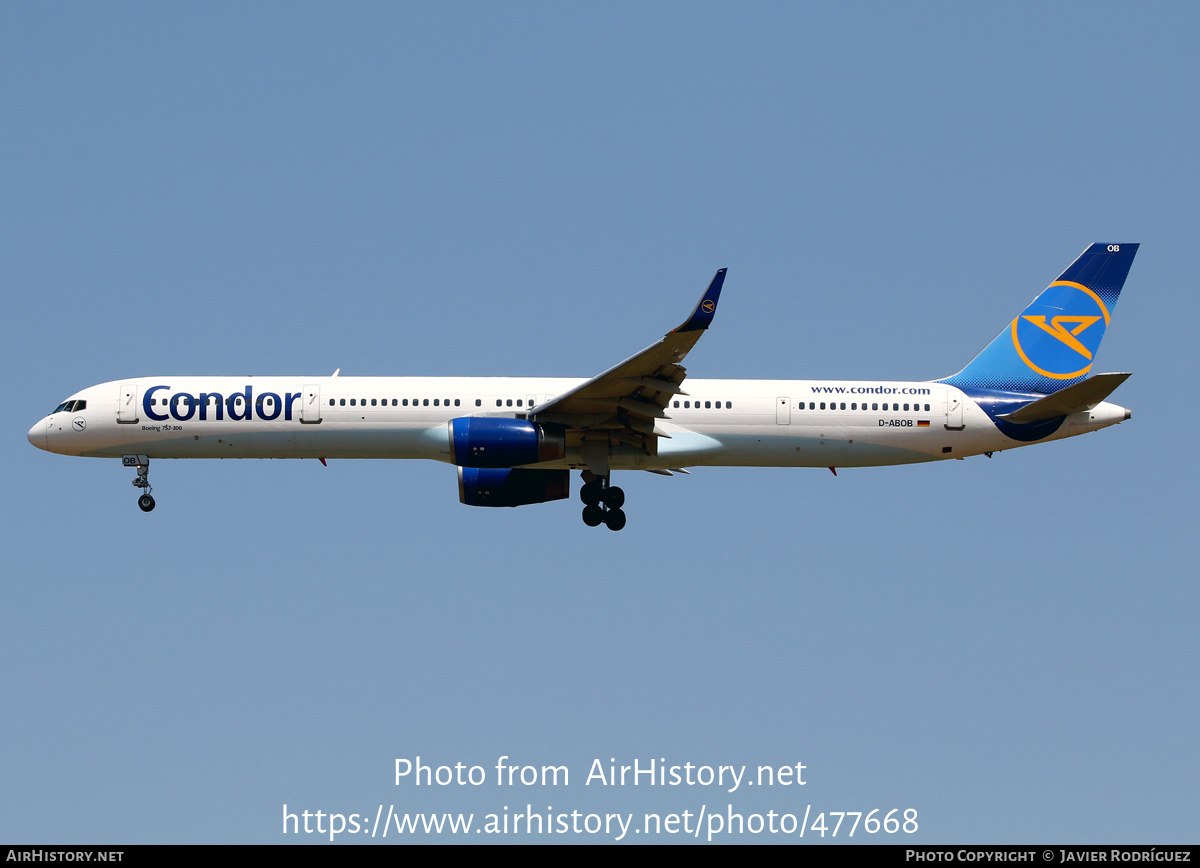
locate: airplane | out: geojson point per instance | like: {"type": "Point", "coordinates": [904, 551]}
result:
{"type": "Point", "coordinates": [516, 440]}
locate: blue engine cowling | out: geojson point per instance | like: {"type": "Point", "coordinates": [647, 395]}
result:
{"type": "Point", "coordinates": [482, 441]}
{"type": "Point", "coordinates": [503, 486]}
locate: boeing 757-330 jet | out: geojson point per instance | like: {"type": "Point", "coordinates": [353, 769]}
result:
{"type": "Point", "coordinates": [515, 440]}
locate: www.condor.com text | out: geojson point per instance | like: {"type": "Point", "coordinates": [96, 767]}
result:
{"type": "Point", "coordinates": [705, 823]}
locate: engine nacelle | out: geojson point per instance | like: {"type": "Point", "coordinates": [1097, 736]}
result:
{"type": "Point", "coordinates": [483, 441]}
{"type": "Point", "coordinates": [504, 486]}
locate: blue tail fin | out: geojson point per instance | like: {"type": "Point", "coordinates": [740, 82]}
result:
{"type": "Point", "coordinates": [1051, 343]}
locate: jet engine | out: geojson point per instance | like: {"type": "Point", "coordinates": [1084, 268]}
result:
{"type": "Point", "coordinates": [483, 441]}
{"type": "Point", "coordinates": [504, 486]}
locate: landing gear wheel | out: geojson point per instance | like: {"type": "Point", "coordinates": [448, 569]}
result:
{"type": "Point", "coordinates": [142, 463]}
{"type": "Point", "coordinates": [603, 501]}
{"type": "Point", "coordinates": [591, 493]}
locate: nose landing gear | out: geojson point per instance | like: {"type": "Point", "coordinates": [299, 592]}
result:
{"type": "Point", "coordinates": [602, 501]}
{"type": "Point", "coordinates": [142, 463]}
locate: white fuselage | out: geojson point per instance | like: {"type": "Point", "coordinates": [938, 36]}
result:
{"type": "Point", "coordinates": [763, 423]}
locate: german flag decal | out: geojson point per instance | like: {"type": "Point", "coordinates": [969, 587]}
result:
{"type": "Point", "coordinates": [922, 423]}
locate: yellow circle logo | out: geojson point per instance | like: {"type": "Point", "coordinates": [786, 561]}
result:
{"type": "Point", "coordinates": [1073, 319]}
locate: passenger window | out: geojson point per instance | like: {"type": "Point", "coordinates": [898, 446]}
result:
{"type": "Point", "coordinates": [676, 405]}
{"type": "Point", "coordinates": [708, 405]}
{"type": "Point", "coordinates": [343, 402]}
{"type": "Point", "coordinates": [729, 405]}
{"type": "Point", "coordinates": [456, 402]}
{"type": "Point", "coordinates": [478, 403]}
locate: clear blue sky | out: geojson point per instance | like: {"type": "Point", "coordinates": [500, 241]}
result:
{"type": "Point", "coordinates": [1008, 646]}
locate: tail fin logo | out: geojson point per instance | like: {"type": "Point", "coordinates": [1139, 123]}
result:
{"type": "Point", "coordinates": [1061, 330]}
{"type": "Point", "coordinates": [1057, 329]}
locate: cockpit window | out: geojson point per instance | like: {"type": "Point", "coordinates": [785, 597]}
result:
{"type": "Point", "coordinates": [69, 407]}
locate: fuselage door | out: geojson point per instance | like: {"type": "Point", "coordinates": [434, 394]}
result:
{"type": "Point", "coordinates": [127, 406]}
{"type": "Point", "coordinates": [310, 409]}
{"type": "Point", "coordinates": [783, 411]}
{"type": "Point", "coordinates": [954, 412]}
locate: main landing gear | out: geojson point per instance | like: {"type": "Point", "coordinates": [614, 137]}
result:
{"type": "Point", "coordinates": [603, 502]}
{"type": "Point", "coordinates": [142, 463]}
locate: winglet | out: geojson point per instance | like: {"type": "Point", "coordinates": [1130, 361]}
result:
{"type": "Point", "coordinates": [702, 316]}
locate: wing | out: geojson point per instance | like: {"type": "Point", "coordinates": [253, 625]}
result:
{"type": "Point", "coordinates": [627, 399]}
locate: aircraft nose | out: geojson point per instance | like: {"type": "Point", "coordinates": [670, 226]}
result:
{"type": "Point", "coordinates": [37, 435]}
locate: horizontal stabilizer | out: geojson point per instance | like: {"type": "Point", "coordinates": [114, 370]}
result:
{"type": "Point", "coordinates": [1073, 399]}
